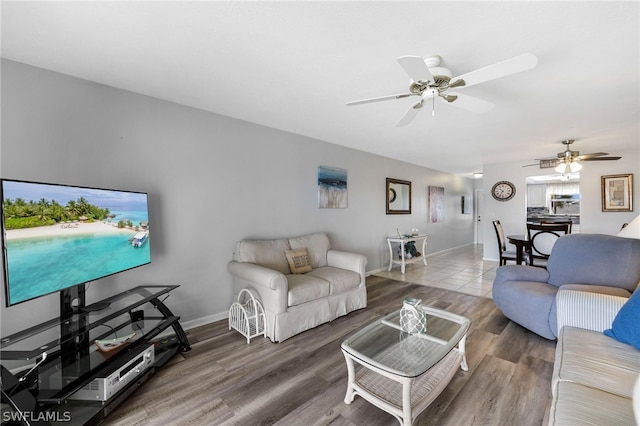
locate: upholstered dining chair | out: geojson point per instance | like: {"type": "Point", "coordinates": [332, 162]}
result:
{"type": "Point", "coordinates": [502, 245]}
{"type": "Point", "coordinates": [552, 222]}
{"type": "Point", "coordinates": [542, 237]}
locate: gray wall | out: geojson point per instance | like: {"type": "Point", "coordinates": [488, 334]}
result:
{"type": "Point", "coordinates": [212, 180]}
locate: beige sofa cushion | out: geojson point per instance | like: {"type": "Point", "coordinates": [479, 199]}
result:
{"type": "Point", "coordinates": [592, 359]}
{"type": "Point", "coordinates": [582, 405]}
{"type": "Point", "coordinates": [340, 280]}
{"type": "Point", "coordinates": [267, 253]}
{"type": "Point", "coordinates": [304, 288]}
{"type": "Point", "coordinates": [317, 246]}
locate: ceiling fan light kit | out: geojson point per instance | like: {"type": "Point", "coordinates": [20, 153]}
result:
{"type": "Point", "coordinates": [572, 167]}
{"type": "Point", "coordinates": [430, 80]}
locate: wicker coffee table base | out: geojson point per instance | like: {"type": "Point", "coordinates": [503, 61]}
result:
{"type": "Point", "coordinates": [403, 397]}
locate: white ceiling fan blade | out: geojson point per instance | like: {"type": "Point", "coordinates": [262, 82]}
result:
{"type": "Point", "coordinates": [416, 68]}
{"type": "Point", "coordinates": [470, 103]}
{"type": "Point", "coordinates": [378, 99]}
{"type": "Point", "coordinates": [500, 69]}
{"type": "Point", "coordinates": [410, 114]}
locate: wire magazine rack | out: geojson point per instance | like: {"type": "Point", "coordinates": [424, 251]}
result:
{"type": "Point", "coordinates": [246, 316]}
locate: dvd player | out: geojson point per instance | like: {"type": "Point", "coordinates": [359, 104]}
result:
{"type": "Point", "coordinates": [104, 388]}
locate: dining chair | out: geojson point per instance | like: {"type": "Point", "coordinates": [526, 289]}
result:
{"type": "Point", "coordinates": [553, 222]}
{"type": "Point", "coordinates": [502, 245]}
{"type": "Point", "coordinates": [542, 237]}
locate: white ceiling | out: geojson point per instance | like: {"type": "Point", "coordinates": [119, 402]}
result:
{"type": "Point", "coordinates": [294, 65]}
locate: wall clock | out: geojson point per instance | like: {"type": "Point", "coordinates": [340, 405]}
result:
{"type": "Point", "coordinates": [503, 190]}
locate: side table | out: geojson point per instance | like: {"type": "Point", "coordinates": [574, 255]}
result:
{"type": "Point", "coordinates": [402, 240]}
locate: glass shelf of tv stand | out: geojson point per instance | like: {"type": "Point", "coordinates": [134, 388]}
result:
{"type": "Point", "coordinates": [25, 349]}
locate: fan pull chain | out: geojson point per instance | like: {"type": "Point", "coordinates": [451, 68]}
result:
{"type": "Point", "coordinates": [433, 106]}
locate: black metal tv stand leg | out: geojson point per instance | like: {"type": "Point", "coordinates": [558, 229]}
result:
{"type": "Point", "coordinates": [25, 407]}
{"type": "Point", "coordinates": [185, 346]}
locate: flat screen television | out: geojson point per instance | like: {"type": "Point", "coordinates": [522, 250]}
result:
{"type": "Point", "coordinates": [59, 236]}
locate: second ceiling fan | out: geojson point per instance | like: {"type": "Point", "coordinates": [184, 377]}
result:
{"type": "Point", "coordinates": [429, 80]}
{"type": "Point", "coordinates": [569, 160]}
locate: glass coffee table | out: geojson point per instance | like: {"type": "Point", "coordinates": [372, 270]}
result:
{"type": "Point", "coordinates": [404, 373]}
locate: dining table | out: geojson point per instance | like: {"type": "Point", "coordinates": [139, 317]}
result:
{"type": "Point", "coordinates": [522, 244]}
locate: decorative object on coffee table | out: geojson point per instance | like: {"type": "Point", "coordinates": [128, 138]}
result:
{"type": "Point", "coordinates": [412, 317]}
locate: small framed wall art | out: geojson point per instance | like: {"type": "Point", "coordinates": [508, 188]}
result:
{"type": "Point", "coordinates": [436, 204]}
{"type": "Point", "coordinates": [617, 193]}
{"type": "Point", "coordinates": [332, 188]}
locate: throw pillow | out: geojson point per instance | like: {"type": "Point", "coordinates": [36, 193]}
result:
{"type": "Point", "coordinates": [626, 327]}
{"type": "Point", "coordinates": [299, 261]}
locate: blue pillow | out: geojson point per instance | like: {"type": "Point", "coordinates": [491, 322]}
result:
{"type": "Point", "coordinates": [626, 325]}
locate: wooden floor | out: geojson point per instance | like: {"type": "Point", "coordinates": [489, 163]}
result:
{"type": "Point", "coordinates": [302, 381]}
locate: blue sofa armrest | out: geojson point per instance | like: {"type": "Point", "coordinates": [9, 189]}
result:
{"type": "Point", "coordinates": [521, 273]}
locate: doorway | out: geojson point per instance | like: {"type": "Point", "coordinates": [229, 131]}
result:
{"type": "Point", "coordinates": [477, 209]}
{"type": "Point", "coordinates": [554, 198]}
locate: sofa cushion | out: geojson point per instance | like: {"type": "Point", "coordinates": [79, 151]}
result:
{"type": "Point", "coordinates": [304, 288]}
{"type": "Point", "coordinates": [626, 327]}
{"type": "Point", "coordinates": [595, 360]}
{"type": "Point", "coordinates": [317, 246]}
{"type": "Point", "coordinates": [267, 253]}
{"type": "Point", "coordinates": [299, 261]}
{"type": "Point", "coordinates": [340, 280]}
{"type": "Point", "coordinates": [595, 259]}
{"type": "Point", "coordinates": [576, 404]}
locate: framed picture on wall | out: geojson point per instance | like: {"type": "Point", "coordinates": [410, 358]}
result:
{"type": "Point", "coordinates": [332, 188]}
{"type": "Point", "coordinates": [436, 204]}
{"type": "Point", "coordinates": [617, 193]}
{"type": "Point", "coordinates": [465, 204]}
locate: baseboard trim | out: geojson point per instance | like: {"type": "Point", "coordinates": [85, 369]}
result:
{"type": "Point", "coordinates": [437, 253]}
{"type": "Point", "coordinates": [187, 325]}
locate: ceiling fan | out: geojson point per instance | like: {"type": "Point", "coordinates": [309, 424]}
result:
{"type": "Point", "coordinates": [569, 161]}
{"type": "Point", "coordinates": [429, 80]}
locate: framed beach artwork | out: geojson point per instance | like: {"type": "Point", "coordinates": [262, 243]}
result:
{"type": "Point", "coordinates": [436, 204]}
{"type": "Point", "coordinates": [332, 188]}
{"type": "Point", "coordinates": [617, 193]}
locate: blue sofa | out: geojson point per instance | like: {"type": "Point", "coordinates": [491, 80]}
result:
{"type": "Point", "coordinates": [585, 262]}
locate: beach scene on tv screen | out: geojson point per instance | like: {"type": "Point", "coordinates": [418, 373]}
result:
{"type": "Point", "coordinates": [59, 236]}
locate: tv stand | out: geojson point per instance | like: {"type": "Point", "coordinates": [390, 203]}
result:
{"type": "Point", "coordinates": [94, 307]}
{"type": "Point", "coordinates": [44, 366]}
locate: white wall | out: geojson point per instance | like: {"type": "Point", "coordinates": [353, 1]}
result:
{"type": "Point", "coordinates": [512, 213]}
{"type": "Point", "coordinates": [212, 180]}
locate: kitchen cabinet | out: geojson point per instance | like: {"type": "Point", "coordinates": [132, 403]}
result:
{"type": "Point", "coordinates": [536, 195]}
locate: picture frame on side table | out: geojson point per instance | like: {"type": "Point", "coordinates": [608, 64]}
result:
{"type": "Point", "coordinates": [617, 193]}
